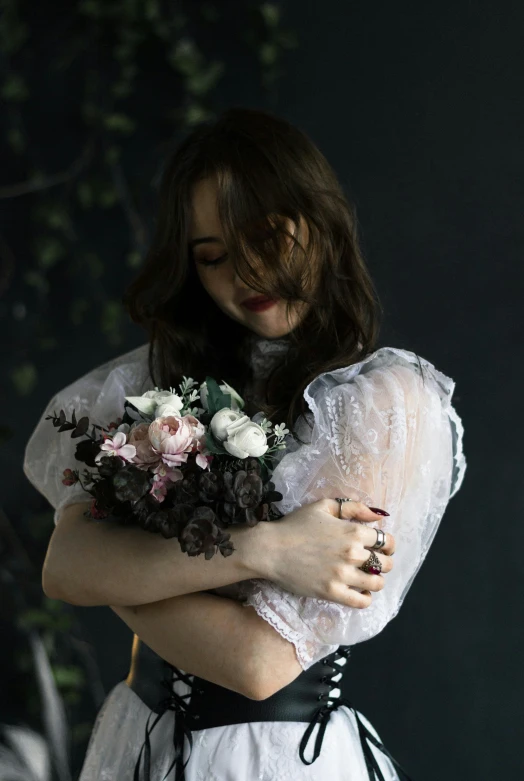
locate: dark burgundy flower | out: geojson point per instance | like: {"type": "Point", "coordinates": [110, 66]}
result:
{"type": "Point", "coordinates": [110, 465]}
{"type": "Point", "coordinates": [164, 522]}
{"type": "Point", "coordinates": [248, 489]}
{"type": "Point", "coordinates": [253, 466]}
{"type": "Point", "coordinates": [186, 490]}
{"type": "Point", "coordinates": [210, 486]}
{"type": "Point", "coordinates": [202, 535]}
{"type": "Point", "coordinates": [130, 484]}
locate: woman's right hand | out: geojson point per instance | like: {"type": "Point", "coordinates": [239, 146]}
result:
{"type": "Point", "coordinates": [314, 553]}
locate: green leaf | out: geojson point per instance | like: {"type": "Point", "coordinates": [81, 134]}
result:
{"type": "Point", "coordinates": [134, 259]}
{"type": "Point", "coordinates": [203, 81]}
{"type": "Point", "coordinates": [194, 114]}
{"type": "Point", "coordinates": [47, 342]}
{"type": "Point", "coordinates": [152, 10]}
{"type": "Point", "coordinates": [92, 8]}
{"type": "Point", "coordinates": [37, 280]}
{"type": "Point", "coordinates": [24, 378]}
{"type": "Point", "coordinates": [270, 14]}
{"type": "Point", "coordinates": [268, 53]}
{"type": "Point", "coordinates": [119, 123]}
{"type": "Point", "coordinates": [48, 250]}
{"type": "Point", "coordinates": [14, 88]}
{"type": "Point", "coordinates": [84, 193]}
{"type": "Point", "coordinates": [107, 198]}
{"type": "Point", "coordinates": [113, 155]}
{"type": "Point", "coordinates": [16, 140]}
{"type": "Point", "coordinates": [34, 618]}
{"type": "Point", "coordinates": [111, 321]}
{"type": "Point", "coordinates": [13, 32]}
{"type": "Point", "coordinates": [213, 446]}
{"type": "Point", "coordinates": [185, 57]}
{"type": "Point", "coordinates": [71, 697]}
{"type": "Point", "coordinates": [209, 12]}
{"type": "Point", "coordinates": [216, 399]}
{"type": "Point", "coordinates": [68, 676]}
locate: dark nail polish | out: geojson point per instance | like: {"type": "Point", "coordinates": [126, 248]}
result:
{"type": "Point", "coordinates": [378, 511]}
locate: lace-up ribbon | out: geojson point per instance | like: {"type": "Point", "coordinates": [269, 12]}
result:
{"type": "Point", "coordinates": [322, 717]}
{"type": "Point", "coordinates": [178, 703]}
{"type": "Point", "coordinates": [221, 706]}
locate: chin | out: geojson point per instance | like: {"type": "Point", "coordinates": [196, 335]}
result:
{"type": "Point", "coordinates": [269, 330]}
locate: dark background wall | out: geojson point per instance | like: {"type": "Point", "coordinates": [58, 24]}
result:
{"type": "Point", "coordinates": [420, 110]}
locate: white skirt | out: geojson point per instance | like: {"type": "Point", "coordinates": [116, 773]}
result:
{"type": "Point", "coordinates": [252, 751]}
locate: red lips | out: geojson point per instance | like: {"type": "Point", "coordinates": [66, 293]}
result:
{"type": "Point", "coordinates": [258, 303]}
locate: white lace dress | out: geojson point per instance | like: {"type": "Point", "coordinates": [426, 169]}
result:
{"type": "Point", "coordinates": [384, 434]}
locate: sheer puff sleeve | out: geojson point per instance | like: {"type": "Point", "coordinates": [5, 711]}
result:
{"type": "Point", "coordinates": [99, 394]}
{"type": "Point", "coordinates": [384, 433]}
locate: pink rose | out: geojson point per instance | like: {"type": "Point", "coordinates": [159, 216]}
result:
{"type": "Point", "coordinates": [203, 458]}
{"type": "Point", "coordinates": [171, 438]}
{"type": "Point", "coordinates": [146, 457]}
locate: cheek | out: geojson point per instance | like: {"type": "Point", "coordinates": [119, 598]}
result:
{"type": "Point", "coordinates": [217, 283]}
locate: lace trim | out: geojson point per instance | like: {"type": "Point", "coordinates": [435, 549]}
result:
{"type": "Point", "coordinates": [264, 611]}
{"type": "Point", "coordinates": [460, 459]}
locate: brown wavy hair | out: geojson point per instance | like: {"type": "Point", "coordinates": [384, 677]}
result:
{"type": "Point", "coordinates": [266, 171]}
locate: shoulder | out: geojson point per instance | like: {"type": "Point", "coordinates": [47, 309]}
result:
{"type": "Point", "coordinates": [389, 371]}
{"type": "Point", "coordinates": [127, 373]}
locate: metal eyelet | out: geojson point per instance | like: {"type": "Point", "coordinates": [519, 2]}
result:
{"type": "Point", "coordinates": [320, 697]}
{"type": "Point", "coordinates": [196, 717]}
{"type": "Point", "coordinates": [323, 679]}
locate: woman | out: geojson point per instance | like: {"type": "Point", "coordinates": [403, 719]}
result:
{"type": "Point", "coordinates": [255, 276]}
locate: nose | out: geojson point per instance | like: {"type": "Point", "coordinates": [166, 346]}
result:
{"type": "Point", "coordinates": [239, 282]}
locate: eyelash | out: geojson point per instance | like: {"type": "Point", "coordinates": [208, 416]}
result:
{"type": "Point", "coordinates": [214, 262]}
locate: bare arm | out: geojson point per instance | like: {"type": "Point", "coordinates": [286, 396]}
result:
{"type": "Point", "coordinates": [309, 552]}
{"type": "Point", "coordinates": [94, 563]}
{"type": "Point", "coordinates": [217, 639]}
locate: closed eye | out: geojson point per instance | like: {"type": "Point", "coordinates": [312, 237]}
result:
{"type": "Point", "coordinates": [214, 262]}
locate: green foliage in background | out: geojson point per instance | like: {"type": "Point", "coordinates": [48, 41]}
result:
{"type": "Point", "coordinates": [124, 78]}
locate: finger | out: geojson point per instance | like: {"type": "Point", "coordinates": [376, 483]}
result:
{"type": "Point", "coordinates": [365, 580]}
{"type": "Point", "coordinates": [368, 536]}
{"type": "Point", "coordinates": [387, 549]}
{"type": "Point", "coordinates": [350, 596]}
{"type": "Point", "coordinates": [352, 511]}
{"type": "Point", "coordinates": [385, 561]}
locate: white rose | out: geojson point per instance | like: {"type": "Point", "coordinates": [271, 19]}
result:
{"type": "Point", "coordinates": [150, 400]}
{"type": "Point", "coordinates": [223, 420]}
{"type": "Point", "coordinates": [245, 438]}
{"type": "Point", "coordinates": [237, 402]}
{"type": "Point", "coordinates": [165, 410]}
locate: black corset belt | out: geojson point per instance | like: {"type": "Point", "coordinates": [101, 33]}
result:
{"type": "Point", "coordinates": [307, 699]}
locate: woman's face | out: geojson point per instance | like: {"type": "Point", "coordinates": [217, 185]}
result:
{"type": "Point", "coordinates": [216, 272]}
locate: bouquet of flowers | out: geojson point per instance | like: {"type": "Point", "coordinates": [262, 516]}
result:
{"type": "Point", "coordinates": [185, 471]}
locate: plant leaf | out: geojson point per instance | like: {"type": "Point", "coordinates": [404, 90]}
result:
{"type": "Point", "coordinates": [216, 399]}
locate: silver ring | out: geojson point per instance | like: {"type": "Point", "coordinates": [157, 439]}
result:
{"type": "Point", "coordinates": [380, 541]}
{"type": "Point", "coordinates": [337, 499]}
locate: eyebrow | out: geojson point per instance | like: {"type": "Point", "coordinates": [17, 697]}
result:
{"type": "Point", "coordinates": [205, 240]}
